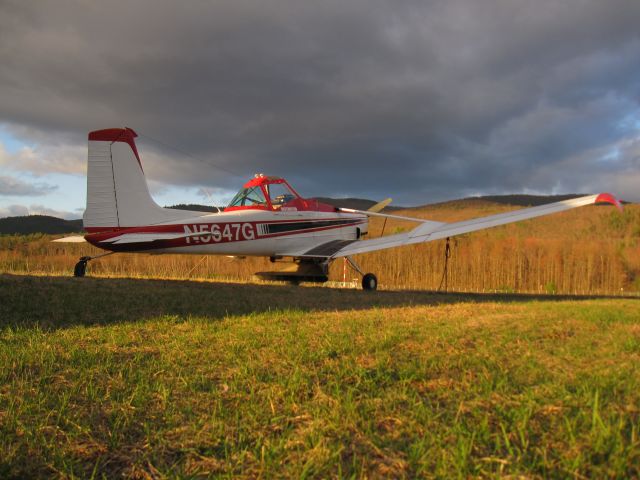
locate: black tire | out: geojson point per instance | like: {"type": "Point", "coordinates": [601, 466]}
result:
{"type": "Point", "coordinates": [80, 269]}
{"type": "Point", "coordinates": [369, 282]}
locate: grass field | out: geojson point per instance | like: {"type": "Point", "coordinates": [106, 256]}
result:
{"type": "Point", "coordinates": [154, 378]}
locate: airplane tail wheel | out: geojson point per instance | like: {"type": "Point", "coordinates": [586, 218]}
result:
{"type": "Point", "coordinates": [369, 282]}
{"type": "Point", "coordinates": [80, 268]}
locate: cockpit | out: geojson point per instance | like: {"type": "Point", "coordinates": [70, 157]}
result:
{"type": "Point", "coordinates": [264, 193]}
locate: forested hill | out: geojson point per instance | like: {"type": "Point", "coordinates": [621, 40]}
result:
{"type": "Point", "coordinates": [519, 200]}
{"type": "Point", "coordinates": [38, 224]}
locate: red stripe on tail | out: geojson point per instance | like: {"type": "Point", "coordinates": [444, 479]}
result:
{"type": "Point", "coordinates": [126, 135]}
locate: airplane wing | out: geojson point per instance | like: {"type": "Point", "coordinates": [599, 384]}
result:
{"type": "Point", "coordinates": [429, 231]}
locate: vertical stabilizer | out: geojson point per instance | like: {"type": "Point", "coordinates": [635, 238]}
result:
{"type": "Point", "coordinates": [117, 192]}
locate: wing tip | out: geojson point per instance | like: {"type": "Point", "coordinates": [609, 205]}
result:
{"type": "Point", "coordinates": [609, 198]}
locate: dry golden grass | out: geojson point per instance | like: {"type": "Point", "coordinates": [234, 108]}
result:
{"type": "Point", "coordinates": [590, 250]}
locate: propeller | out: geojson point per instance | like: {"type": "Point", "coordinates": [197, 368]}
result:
{"type": "Point", "coordinates": [380, 205]}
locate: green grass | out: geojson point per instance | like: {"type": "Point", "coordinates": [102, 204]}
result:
{"type": "Point", "coordinates": [141, 378]}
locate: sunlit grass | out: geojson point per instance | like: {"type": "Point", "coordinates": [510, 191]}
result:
{"type": "Point", "coordinates": [111, 377]}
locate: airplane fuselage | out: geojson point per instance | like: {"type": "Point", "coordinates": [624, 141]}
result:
{"type": "Point", "coordinates": [243, 232]}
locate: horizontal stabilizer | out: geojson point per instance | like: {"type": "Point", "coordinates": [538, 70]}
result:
{"type": "Point", "coordinates": [72, 239]}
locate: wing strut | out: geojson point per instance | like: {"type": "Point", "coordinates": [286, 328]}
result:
{"type": "Point", "coordinates": [445, 270]}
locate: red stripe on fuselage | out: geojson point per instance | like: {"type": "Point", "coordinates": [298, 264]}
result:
{"type": "Point", "coordinates": [237, 233]}
{"type": "Point", "coordinates": [179, 227]}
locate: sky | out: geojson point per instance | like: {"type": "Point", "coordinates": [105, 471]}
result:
{"type": "Point", "coordinates": [419, 100]}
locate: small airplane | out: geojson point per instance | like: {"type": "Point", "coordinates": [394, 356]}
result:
{"type": "Point", "coordinates": [266, 218]}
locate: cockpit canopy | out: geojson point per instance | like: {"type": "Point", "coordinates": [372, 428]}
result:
{"type": "Point", "coordinates": [265, 193]}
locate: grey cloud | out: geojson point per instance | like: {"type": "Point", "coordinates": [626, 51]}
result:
{"type": "Point", "coordinates": [17, 210]}
{"type": "Point", "coordinates": [14, 211]}
{"type": "Point", "coordinates": [47, 156]}
{"type": "Point", "coordinates": [14, 187]}
{"type": "Point", "coordinates": [417, 100]}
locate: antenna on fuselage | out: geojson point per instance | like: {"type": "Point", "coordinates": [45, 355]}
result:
{"type": "Point", "coordinates": [210, 199]}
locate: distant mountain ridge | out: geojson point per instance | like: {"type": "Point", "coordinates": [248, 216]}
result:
{"type": "Point", "coordinates": [53, 225]}
{"type": "Point", "coordinates": [194, 207]}
{"type": "Point", "coordinates": [354, 203]}
{"type": "Point", "coordinates": [38, 224]}
{"type": "Point", "coordinates": [519, 200]}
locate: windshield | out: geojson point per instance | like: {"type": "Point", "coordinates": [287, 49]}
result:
{"type": "Point", "coordinates": [279, 194]}
{"type": "Point", "coordinates": [249, 197]}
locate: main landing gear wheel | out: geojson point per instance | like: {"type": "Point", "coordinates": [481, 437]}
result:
{"type": "Point", "coordinates": [369, 282]}
{"type": "Point", "coordinates": [81, 267]}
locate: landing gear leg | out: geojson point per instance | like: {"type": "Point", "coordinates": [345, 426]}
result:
{"type": "Point", "coordinates": [369, 280]}
{"type": "Point", "coordinates": [81, 267]}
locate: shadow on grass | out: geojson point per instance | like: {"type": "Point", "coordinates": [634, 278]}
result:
{"type": "Point", "coordinates": [58, 302]}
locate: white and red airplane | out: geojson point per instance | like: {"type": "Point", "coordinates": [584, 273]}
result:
{"type": "Point", "coordinates": [266, 218]}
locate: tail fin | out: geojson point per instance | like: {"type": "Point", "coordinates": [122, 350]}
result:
{"type": "Point", "coordinates": [117, 192]}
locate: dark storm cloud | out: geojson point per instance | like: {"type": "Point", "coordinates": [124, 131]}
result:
{"type": "Point", "coordinates": [420, 100]}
